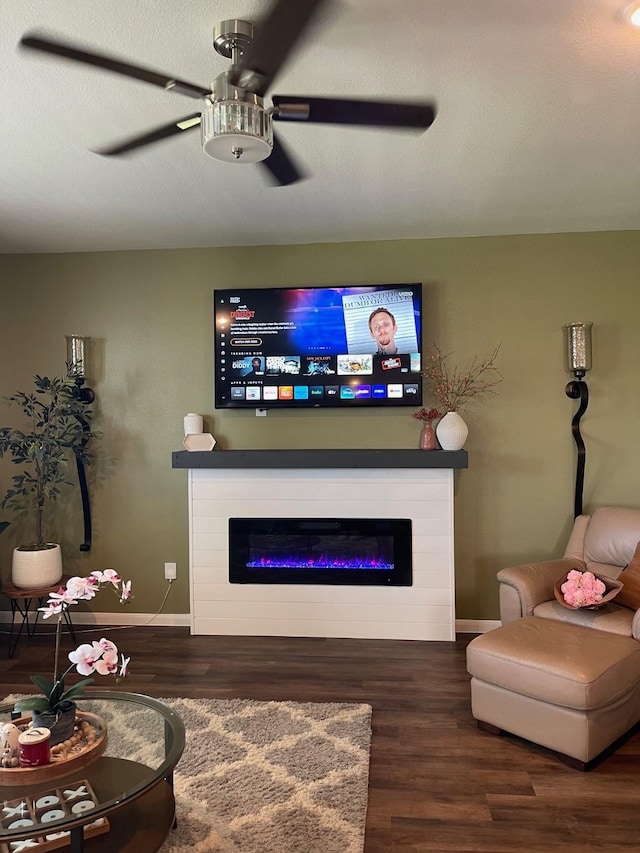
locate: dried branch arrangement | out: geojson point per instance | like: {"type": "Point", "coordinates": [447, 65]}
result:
{"type": "Point", "coordinates": [455, 389]}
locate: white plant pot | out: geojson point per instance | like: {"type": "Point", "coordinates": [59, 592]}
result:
{"type": "Point", "coordinates": [36, 569]}
{"type": "Point", "coordinates": [452, 432]}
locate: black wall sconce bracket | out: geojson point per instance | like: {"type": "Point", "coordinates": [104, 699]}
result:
{"type": "Point", "coordinates": [76, 366]}
{"type": "Point", "coordinates": [577, 390]}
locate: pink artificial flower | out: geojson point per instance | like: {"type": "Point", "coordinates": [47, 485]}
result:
{"type": "Point", "coordinates": [105, 645]}
{"type": "Point", "coordinates": [582, 589]}
{"type": "Point", "coordinates": [107, 663]}
{"type": "Point", "coordinates": [63, 597]}
{"type": "Point", "coordinates": [53, 609]}
{"type": "Point", "coordinates": [125, 592]}
{"type": "Point", "coordinates": [84, 658]}
{"type": "Point", "coordinates": [101, 657]}
{"type": "Point", "coordinates": [82, 588]}
{"type": "Point", "coordinates": [108, 576]}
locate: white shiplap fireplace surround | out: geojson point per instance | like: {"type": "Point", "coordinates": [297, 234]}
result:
{"type": "Point", "coordinates": [414, 484]}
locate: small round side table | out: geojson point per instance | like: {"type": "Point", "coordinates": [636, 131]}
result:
{"type": "Point", "coordinates": [22, 601]}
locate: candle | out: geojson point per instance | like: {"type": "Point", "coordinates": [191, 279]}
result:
{"type": "Point", "coordinates": [578, 342]}
{"type": "Point", "coordinates": [34, 747]}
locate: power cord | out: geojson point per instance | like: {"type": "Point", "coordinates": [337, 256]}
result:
{"type": "Point", "coordinates": [162, 604]}
{"type": "Point", "coordinates": [91, 628]}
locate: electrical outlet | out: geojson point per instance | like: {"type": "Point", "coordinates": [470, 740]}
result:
{"type": "Point", "coordinates": [169, 571]}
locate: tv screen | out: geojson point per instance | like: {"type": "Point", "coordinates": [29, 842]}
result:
{"type": "Point", "coordinates": [348, 347]}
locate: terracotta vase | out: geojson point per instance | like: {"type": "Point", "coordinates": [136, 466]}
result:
{"type": "Point", "coordinates": [428, 440]}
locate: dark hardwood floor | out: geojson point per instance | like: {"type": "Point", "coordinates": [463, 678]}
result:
{"type": "Point", "coordinates": [437, 783]}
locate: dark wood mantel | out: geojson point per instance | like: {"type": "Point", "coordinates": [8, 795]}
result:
{"type": "Point", "coordinates": [339, 458]}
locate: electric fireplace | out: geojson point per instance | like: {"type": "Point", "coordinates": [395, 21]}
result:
{"type": "Point", "coordinates": [336, 551]}
{"type": "Point", "coordinates": [320, 485]}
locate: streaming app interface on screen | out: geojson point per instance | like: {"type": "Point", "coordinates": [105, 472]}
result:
{"type": "Point", "coordinates": [318, 346]}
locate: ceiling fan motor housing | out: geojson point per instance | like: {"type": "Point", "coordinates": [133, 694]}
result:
{"type": "Point", "coordinates": [235, 125]}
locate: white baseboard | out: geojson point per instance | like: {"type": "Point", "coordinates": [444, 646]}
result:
{"type": "Point", "coordinates": [476, 626]}
{"type": "Point", "coordinates": [183, 620]}
{"type": "Point", "coordinates": [165, 620]}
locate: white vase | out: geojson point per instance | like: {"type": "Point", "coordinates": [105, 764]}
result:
{"type": "Point", "coordinates": [452, 432]}
{"type": "Point", "coordinates": [36, 569]}
{"type": "Point", "coordinates": [193, 424]}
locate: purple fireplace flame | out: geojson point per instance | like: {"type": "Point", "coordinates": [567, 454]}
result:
{"type": "Point", "coordinates": [322, 562]}
{"type": "Point", "coordinates": [339, 551]}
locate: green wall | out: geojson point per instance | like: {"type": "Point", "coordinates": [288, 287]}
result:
{"type": "Point", "coordinates": [149, 314]}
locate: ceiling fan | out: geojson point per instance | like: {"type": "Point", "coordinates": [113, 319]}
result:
{"type": "Point", "coordinates": [236, 126]}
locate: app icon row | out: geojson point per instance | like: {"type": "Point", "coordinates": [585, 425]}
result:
{"type": "Point", "coordinates": [273, 393]}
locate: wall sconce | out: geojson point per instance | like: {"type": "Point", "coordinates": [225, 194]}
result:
{"type": "Point", "coordinates": [578, 362]}
{"type": "Point", "coordinates": [77, 348]}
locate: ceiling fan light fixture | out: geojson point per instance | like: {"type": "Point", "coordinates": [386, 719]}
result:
{"type": "Point", "coordinates": [236, 131]}
{"type": "Point", "coordinates": [632, 14]}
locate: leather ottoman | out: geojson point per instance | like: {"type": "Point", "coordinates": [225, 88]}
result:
{"type": "Point", "coordinates": [571, 689]}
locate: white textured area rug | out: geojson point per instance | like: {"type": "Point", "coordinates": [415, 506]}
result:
{"type": "Point", "coordinates": [265, 777]}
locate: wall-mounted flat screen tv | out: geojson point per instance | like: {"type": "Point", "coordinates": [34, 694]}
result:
{"type": "Point", "coordinates": [349, 347]}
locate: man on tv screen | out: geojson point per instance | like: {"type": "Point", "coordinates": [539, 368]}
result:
{"type": "Point", "coordinates": [383, 328]}
{"type": "Point", "coordinates": [256, 367]}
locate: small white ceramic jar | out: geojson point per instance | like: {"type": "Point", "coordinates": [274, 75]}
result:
{"type": "Point", "coordinates": [193, 424]}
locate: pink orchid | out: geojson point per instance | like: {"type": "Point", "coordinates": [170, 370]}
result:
{"type": "Point", "coordinates": [84, 659]}
{"type": "Point", "coordinates": [108, 576]}
{"type": "Point", "coordinates": [107, 663]}
{"type": "Point", "coordinates": [64, 597]}
{"type": "Point", "coordinates": [57, 600]}
{"type": "Point", "coordinates": [51, 610]}
{"type": "Point", "coordinates": [98, 657]}
{"type": "Point", "coordinates": [83, 588]}
{"type": "Point", "coordinates": [105, 645]}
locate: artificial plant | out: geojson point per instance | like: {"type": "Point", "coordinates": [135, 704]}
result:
{"type": "Point", "coordinates": [56, 431]}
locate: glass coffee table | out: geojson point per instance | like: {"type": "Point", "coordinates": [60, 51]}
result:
{"type": "Point", "coordinates": [123, 800]}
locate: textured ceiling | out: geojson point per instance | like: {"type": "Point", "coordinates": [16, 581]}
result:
{"type": "Point", "coordinates": [538, 126]}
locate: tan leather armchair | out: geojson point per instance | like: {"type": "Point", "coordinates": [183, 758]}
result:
{"type": "Point", "coordinates": [545, 675]}
{"type": "Point", "coordinates": [604, 543]}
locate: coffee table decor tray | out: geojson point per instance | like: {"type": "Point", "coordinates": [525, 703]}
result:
{"type": "Point", "coordinates": [87, 743]}
{"type": "Point", "coordinates": [37, 811]}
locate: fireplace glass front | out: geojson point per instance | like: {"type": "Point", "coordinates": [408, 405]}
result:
{"type": "Point", "coordinates": [338, 551]}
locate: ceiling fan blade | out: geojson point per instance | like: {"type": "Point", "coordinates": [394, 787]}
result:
{"type": "Point", "coordinates": [281, 166]}
{"type": "Point", "coordinates": [98, 60]}
{"type": "Point", "coordinates": [344, 111]}
{"type": "Point", "coordinates": [274, 40]}
{"type": "Point", "coordinates": [164, 132]}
